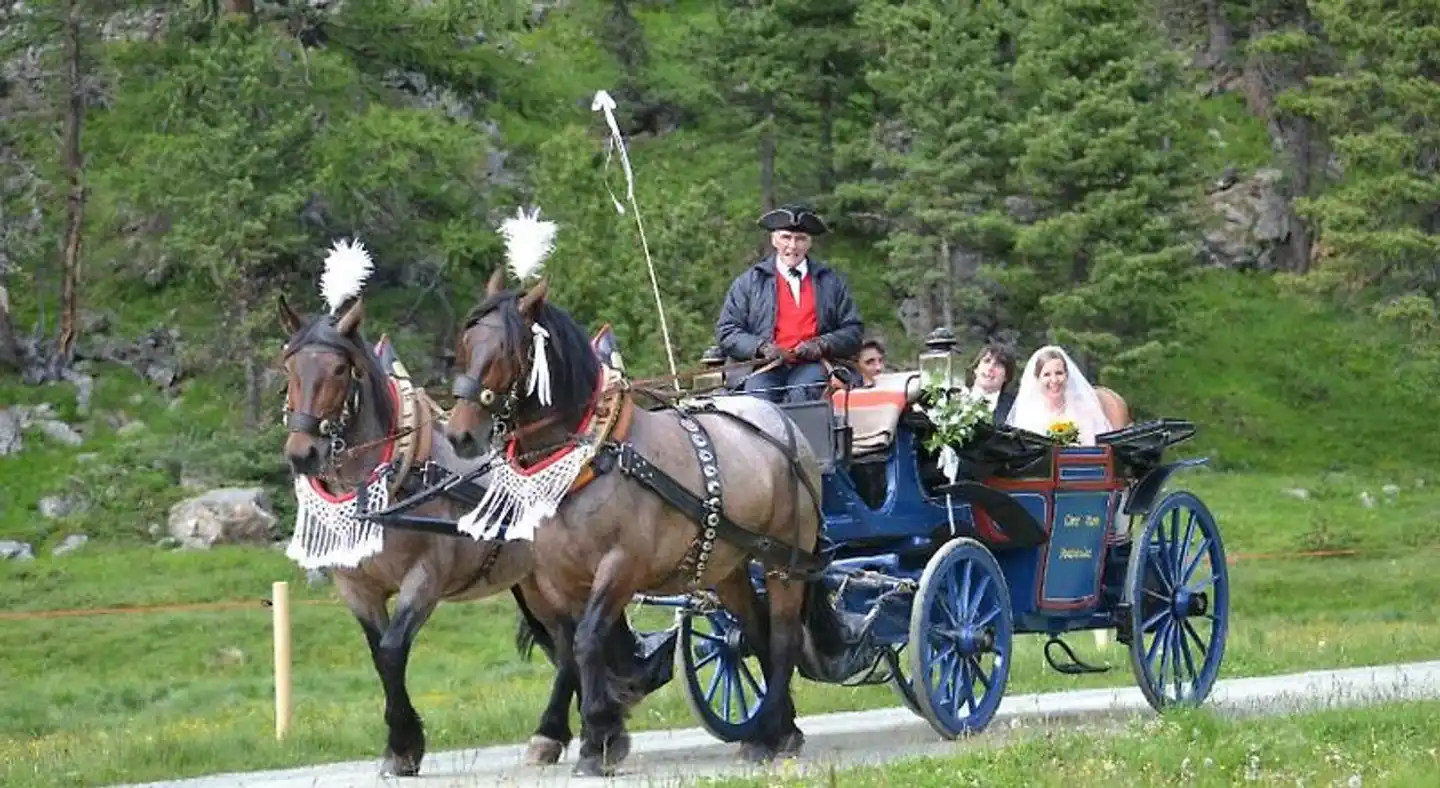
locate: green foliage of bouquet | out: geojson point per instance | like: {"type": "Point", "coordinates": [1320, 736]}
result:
{"type": "Point", "coordinates": [954, 412]}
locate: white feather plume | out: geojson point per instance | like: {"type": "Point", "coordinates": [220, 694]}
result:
{"type": "Point", "coordinates": [346, 268]}
{"type": "Point", "coordinates": [528, 241]}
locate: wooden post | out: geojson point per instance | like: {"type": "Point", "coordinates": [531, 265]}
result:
{"type": "Point", "coordinates": [280, 606]}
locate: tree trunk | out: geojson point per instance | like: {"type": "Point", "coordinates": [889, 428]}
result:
{"type": "Point", "coordinates": [10, 353]}
{"type": "Point", "coordinates": [827, 130]}
{"type": "Point", "coordinates": [74, 170]}
{"type": "Point", "coordinates": [767, 156]}
{"type": "Point", "coordinates": [947, 285]}
{"type": "Point", "coordinates": [1219, 40]}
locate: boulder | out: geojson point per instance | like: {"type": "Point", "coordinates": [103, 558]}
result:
{"type": "Point", "coordinates": [229, 515]}
{"type": "Point", "coordinates": [1252, 220]}
{"type": "Point", "coordinates": [13, 550]}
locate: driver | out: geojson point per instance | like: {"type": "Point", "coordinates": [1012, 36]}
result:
{"type": "Point", "coordinates": [790, 311]}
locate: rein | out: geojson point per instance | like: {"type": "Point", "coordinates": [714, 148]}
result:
{"type": "Point", "coordinates": [707, 370]}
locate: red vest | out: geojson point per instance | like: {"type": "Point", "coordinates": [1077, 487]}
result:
{"type": "Point", "coordinates": [795, 323]}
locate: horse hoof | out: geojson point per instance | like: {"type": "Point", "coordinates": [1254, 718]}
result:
{"type": "Point", "coordinates": [617, 750]}
{"type": "Point", "coordinates": [756, 752]}
{"type": "Point", "coordinates": [543, 751]}
{"type": "Point", "coordinates": [592, 766]}
{"type": "Point", "coordinates": [400, 766]}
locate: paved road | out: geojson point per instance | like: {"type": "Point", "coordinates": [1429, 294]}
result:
{"type": "Point", "coordinates": [668, 757]}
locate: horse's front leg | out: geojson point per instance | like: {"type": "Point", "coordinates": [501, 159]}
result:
{"type": "Point", "coordinates": [405, 746]}
{"type": "Point", "coordinates": [603, 740]}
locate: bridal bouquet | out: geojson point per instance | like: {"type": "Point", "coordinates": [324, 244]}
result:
{"type": "Point", "coordinates": [1065, 432]}
{"type": "Point", "coordinates": [954, 412]}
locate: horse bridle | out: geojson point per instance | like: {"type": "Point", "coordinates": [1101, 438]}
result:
{"type": "Point", "coordinates": [470, 388]}
{"type": "Point", "coordinates": [324, 428]}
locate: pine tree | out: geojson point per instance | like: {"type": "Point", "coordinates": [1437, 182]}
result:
{"type": "Point", "coordinates": [937, 163]}
{"type": "Point", "coordinates": [1102, 112]}
{"type": "Point", "coordinates": [1379, 223]}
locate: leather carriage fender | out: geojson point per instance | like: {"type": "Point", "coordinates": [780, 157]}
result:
{"type": "Point", "coordinates": [1143, 494]}
{"type": "Point", "coordinates": [1021, 528]}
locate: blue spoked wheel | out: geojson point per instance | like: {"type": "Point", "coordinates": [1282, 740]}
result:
{"type": "Point", "coordinates": [724, 683]}
{"type": "Point", "coordinates": [1179, 592]}
{"type": "Point", "coordinates": [962, 630]}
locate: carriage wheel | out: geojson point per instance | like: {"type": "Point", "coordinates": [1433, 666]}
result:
{"type": "Point", "coordinates": [962, 629]}
{"type": "Point", "coordinates": [724, 683]}
{"type": "Point", "coordinates": [1179, 592]}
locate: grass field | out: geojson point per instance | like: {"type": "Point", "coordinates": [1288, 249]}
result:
{"type": "Point", "coordinates": [101, 699]}
{"type": "Point", "coordinates": [1392, 744]}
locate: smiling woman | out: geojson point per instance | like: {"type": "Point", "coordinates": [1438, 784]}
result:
{"type": "Point", "coordinates": [1053, 390]}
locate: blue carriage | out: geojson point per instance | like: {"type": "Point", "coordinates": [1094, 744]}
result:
{"type": "Point", "coordinates": [937, 578]}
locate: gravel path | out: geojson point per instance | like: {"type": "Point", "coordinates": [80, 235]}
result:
{"type": "Point", "coordinates": [670, 757]}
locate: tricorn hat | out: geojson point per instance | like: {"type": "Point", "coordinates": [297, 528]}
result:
{"type": "Point", "coordinates": [794, 217]}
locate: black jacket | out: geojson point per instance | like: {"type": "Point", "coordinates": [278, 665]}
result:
{"type": "Point", "coordinates": [748, 318]}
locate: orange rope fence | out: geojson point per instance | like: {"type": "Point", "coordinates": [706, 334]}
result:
{"type": "Point", "coordinates": [264, 604]}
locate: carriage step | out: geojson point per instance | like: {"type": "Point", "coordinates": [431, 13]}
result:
{"type": "Point", "coordinates": [1077, 666]}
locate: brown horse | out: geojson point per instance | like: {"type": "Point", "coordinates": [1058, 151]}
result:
{"type": "Point", "coordinates": [346, 415]}
{"type": "Point", "coordinates": [629, 518]}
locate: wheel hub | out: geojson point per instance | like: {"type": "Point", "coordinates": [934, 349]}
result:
{"type": "Point", "coordinates": [732, 639]}
{"type": "Point", "coordinates": [975, 640]}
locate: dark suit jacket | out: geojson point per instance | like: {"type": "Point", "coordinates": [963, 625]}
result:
{"type": "Point", "coordinates": [1003, 404]}
{"type": "Point", "coordinates": [748, 318]}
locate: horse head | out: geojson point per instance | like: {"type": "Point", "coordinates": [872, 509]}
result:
{"type": "Point", "coordinates": [331, 376]}
{"type": "Point", "coordinates": [507, 388]}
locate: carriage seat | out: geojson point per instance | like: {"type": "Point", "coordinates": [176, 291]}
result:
{"type": "Point", "coordinates": [607, 349]}
{"type": "Point", "coordinates": [388, 358]}
{"type": "Point", "coordinates": [874, 413]}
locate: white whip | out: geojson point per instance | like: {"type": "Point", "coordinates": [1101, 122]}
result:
{"type": "Point", "coordinates": [604, 103]}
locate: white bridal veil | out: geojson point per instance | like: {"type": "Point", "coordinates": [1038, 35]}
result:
{"type": "Point", "coordinates": [1033, 413]}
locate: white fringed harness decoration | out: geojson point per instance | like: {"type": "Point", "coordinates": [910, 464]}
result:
{"type": "Point", "coordinates": [328, 533]}
{"type": "Point", "coordinates": [518, 501]}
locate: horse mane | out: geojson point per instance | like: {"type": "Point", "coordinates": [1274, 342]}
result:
{"type": "Point", "coordinates": [574, 368]}
{"type": "Point", "coordinates": [374, 383]}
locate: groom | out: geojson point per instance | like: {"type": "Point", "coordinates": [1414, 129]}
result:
{"type": "Point", "coordinates": [993, 369]}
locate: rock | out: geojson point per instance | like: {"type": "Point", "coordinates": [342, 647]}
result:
{"type": "Point", "coordinates": [56, 507]}
{"type": "Point", "coordinates": [16, 551]}
{"type": "Point", "coordinates": [1367, 500]}
{"type": "Point", "coordinates": [1298, 492]}
{"type": "Point", "coordinates": [1390, 490]}
{"type": "Point", "coordinates": [93, 323]}
{"type": "Point", "coordinates": [60, 432]}
{"type": "Point", "coordinates": [70, 544]}
{"type": "Point", "coordinates": [131, 428]}
{"type": "Point", "coordinates": [1252, 220]}
{"type": "Point", "coordinates": [229, 515]}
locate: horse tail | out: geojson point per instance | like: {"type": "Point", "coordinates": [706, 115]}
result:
{"type": "Point", "coordinates": [529, 632]}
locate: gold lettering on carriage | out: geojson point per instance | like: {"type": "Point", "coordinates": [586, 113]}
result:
{"type": "Point", "coordinates": [1081, 520]}
{"type": "Point", "coordinates": [1075, 552]}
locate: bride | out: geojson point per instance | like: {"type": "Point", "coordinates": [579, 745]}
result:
{"type": "Point", "coordinates": [1052, 389]}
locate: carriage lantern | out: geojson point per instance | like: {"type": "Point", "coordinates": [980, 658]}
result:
{"type": "Point", "coordinates": [937, 363]}
{"type": "Point", "coordinates": [712, 359]}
